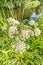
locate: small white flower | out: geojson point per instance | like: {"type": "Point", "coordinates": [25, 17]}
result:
{"type": "Point", "coordinates": [12, 21]}
{"type": "Point", "coordinates": [19, 47]}
{"type": "Point", "coordinates": [25, 33]}
{"type": "Point", "coordinates": [12, 30]}
{"type": "Point", "coordinates": [37, 31]}
{"type": "Point", "coordinates": [4, 27]}
{"type": "Point", "coordinates": [17, 22]}
{"type": "Point", "coordinates": [32, 22]}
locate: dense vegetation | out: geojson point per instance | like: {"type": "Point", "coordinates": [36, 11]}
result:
{"type": "Point", "coordinates": [21, 39]}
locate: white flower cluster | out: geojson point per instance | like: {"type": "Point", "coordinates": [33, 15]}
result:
{"type": "Point", "coordinates": [36, 30]}
{"type": "Point", "coordinates": [20, 47]}
{"type": "Point", "coordinates": [21, 33]}
{"type": "Point", "coordinates": [12, 21]}
{"type": "Point", "coordinates": [26, 33]}
{"type": "Point", "coordinates": [32, 23]}
{"type": "Point", "coordinates": [12, 29]}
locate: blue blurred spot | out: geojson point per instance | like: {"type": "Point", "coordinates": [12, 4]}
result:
{"type": "Point", "coordinates": [35, 17]}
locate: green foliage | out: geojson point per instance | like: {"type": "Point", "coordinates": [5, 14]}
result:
{"type": "Point", "coordinates": [20, 9]}
{"type": "Point", "coordinates": [32, 56]}
{"type": "Point", "coordinates": [17, 8]}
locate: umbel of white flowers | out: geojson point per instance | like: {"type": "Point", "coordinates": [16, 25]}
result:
{"type": "Point", "coordinates": [20, 47]}
{"type": "Point", "coordinates": [37, 31]}
{"type": "Point", "coordinates": [12, 21]}
{"type": "Point", "coordinates": [24, 33]}
{"type": "Point", "coordinates": [12, 31]}
{"type": "Point", "coordinates": [32, 23]}
{"type": "Point", "coordinates": [27, 33]}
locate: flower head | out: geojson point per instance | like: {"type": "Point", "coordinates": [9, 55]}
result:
{"type": "Point", "coordinates": [12, 21]}
{"type": "Point", "coordinates": [25, 33]}
{"type": "Point", "coordinates": [12, 30]}
{"type": "Point", "coordinates": [19, 47]}
{"type": "Point", "coordinates": [37, 31]}
{"type": "Point", "coordinates": [32, 22]}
